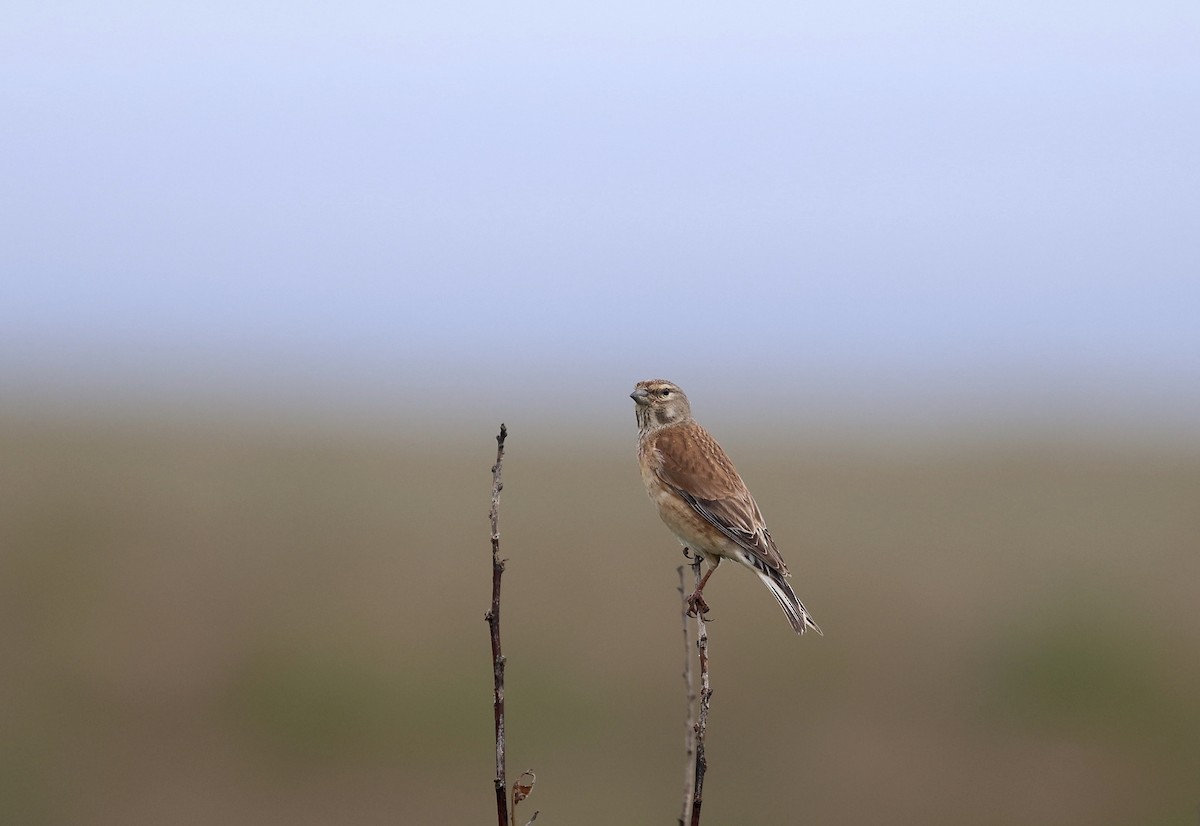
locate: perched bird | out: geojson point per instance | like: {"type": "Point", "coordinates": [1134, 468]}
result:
{"type": "Point", "coordinates": [702, 499]}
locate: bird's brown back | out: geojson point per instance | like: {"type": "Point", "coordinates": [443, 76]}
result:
{"type": "Point", "coordinates": [690, 461]}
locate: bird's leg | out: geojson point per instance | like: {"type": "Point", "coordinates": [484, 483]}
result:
{"type": "Point", "coordinates": [687, 553]}
{"type": "Point", "coordinates": [696, 603]}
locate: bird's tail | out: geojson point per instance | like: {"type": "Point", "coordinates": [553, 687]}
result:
{"type": "Point", "coordinates": [788, 601]}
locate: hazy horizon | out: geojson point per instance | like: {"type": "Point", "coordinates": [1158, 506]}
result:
{"type": "Point", "coordinates": [865, 207]}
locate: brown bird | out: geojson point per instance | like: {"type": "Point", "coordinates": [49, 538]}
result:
{"type": "Point", "coordinates": [702, 499]}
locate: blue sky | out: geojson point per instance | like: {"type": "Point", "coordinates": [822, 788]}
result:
{"type": "Point", "coordinates": [872, 203]}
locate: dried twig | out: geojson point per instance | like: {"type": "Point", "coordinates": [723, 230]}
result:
{"type": "Point", "coordinates": [493, 621]}
{"type": "Point", "coordinates": [689, 694]}
{"type": "Point", "coordinates": [705, 697]}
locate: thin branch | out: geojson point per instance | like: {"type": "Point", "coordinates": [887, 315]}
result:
{"type": "Point", "coordinates": [705, 697]}
{"type": "Point", "coordinates": [493, 621]}
{"type": "Point", "coordinates": [689, 694]}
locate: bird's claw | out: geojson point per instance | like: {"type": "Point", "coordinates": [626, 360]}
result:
{"type": "Point", "coordinates": [697, 605]}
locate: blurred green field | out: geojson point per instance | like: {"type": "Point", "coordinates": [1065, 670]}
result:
{"type": "Point", "coordinates": [207, 621]}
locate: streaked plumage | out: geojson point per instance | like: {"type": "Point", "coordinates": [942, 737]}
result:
{"type": "Point", "coordinates": [701, 497]}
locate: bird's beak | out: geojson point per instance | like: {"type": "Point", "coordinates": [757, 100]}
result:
{"type": "Point", "coordinates": [640, 395]}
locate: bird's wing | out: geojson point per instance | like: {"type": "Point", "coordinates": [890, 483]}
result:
{"type": "Point", "coordinates": [689, 461]}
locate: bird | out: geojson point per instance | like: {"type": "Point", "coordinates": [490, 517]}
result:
{"type": "Point", "coordinates": [703, 500]}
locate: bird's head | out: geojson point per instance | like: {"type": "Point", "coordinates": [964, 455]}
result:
{"type": "Point", "coordinates": [658, 402]}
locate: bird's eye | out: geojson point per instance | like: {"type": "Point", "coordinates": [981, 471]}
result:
{"type": "Point", "coordinates": [664, 392]}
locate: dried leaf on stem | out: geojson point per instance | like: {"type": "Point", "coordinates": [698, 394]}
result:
{"type": "Point", "coordinates": [522, 788]}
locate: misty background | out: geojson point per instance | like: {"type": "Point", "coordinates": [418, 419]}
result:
{"type": "Point", "coordinates": [273, 274]}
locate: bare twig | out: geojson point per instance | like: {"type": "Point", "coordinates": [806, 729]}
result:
{"type": "Point", "coordinates": [705, 697]}
{"type": "Point", "coordinates": [493, 621]}
{"type": "Point", "coordinates": [689, 694]}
